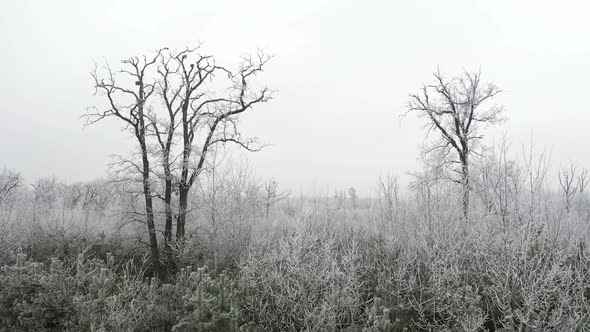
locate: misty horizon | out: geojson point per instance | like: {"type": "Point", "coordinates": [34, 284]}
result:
{"type": "Point", "coordinates": [340, 87]}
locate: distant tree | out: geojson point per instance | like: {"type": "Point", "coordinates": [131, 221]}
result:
{"type": "Point", "coordinates": [44, 196]}
{"type": "Point", "coordinates": [95, 198]}
{"type": "Point", "coordinates": [499, 183]}
{"type": "Point", "coordinates": [583, 180]}
{"type": "Point", "coordinates": [10, 182]}
{"type": "Point", "coordinates": [567, 180]}
{"type": "Point", "coordinates": [353, 197]}
{"type": "Point", "coordinates": [388, 199]}
{"type": "Point", "coordinates": [454, 109]}
{"type": "Point", "coordinates": [340, 196]}
{"type": "Point", "coordinates": [272, 195]}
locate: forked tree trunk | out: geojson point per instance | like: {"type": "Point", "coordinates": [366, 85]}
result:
{"type": "Point", "coordinates": [149, 211]}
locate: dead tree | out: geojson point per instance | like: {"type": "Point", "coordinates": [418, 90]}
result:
{"type": "Point", "coordinates": [127, 92]}
{"type": "Point", "coordinates": [454, 110]}
{"type": "Point", "coordinates": [566, 177]}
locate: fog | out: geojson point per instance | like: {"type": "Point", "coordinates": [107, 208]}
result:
{"type": "Point", "coordinates": [342, 70]}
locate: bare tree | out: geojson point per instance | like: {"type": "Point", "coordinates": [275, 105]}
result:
{"type": "Point", "coordinates": [94, 198]}
{"type": "Point", "coordinates": [535, 170]}
{"type": "Point", "coordinates": [272, 195]}
{"type": "Point", "coordinates": [454, 110]}
{"type": "Point", "coordinates": [179, 96]}
{"type": "Point", "coordinates": [388, 200]}
{"type": "Point", "coordinates": [583, 180]}
{"type": "Point", "coordinates": [340, 197]}
{"type": "Point", "coordinates": [353, 197]}
{"type": "Point", "coordinates": [566, 177]}
{"type": "Point", "coordinates": [44, 195]}
{"type": "Point", "coordinates": [127, 92]}
{"type": "Point", "coordinates": [9, 183]}
{"type": "Point", "coordinates": [499, 183]}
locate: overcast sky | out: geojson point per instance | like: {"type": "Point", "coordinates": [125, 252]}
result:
{"type": "Point", "coordinates": [343, 71]}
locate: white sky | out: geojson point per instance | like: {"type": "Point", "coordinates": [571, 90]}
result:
{"type": "Point", "coordinates": [343, 71]}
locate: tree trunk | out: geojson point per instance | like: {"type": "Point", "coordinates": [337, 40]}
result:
{"type": "Point", "coordinates": [465, 189]}
{"type": "Point", "coordinates": [168, 211]}
{"type": "Point", "coordinates": [149, 211]}
{"type": "Point", "coordinates": [167, 196]}
{"type": "Point", "coordinates": [147, 191]}
{"type": "Point", "coordinates": [168, 252]}
{"type": "Point", "coordinates": [182, 207]}
{"type": "Point", "coordinates": [184, 185]}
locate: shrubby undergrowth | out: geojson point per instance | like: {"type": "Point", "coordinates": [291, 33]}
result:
{"type": "Point", "coordinates": [313, 280]}
{"type": "Point", "coordinates": [406, 261]}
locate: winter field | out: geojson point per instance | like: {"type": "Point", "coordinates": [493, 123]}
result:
{"type": "Point", "coordinates": [311, 165]}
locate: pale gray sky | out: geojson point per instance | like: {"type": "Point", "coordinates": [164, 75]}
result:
{"type": "Point", "coordinates": [343, 70]}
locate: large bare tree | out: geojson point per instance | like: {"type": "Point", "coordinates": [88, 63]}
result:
{"type": "Point", "coordinates": [177, 104]}
{"type": "Point", "coordinates": [127, 92]}
{"type": "Point", "coordinates": [455, 110]}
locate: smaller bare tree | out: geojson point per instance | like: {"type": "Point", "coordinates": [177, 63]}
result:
{"type": "Point", "coordinates": [9, 183]}
{"type": "Point", "coordinates": [340, 197]}
{"type": "Point", "coordinates": [567, 176]}
{"type": "Point", "coordinates": [272, 195]}
{"type": "Point", "coordinates": [454, 109]}
{"type": "Point", "coordinates": [353, 197]}
{"type": "Point", "coordinates": [583, 180]}
{"type": "Point", "coordinates": [388, 198]}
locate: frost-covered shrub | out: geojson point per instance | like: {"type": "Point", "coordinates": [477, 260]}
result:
{"type": "Point", "coordinates": [87, 295]}
{"type": "Point", "coordinates": [430, 289]}
{"type": "Point", "coordinates": [309, 282]}
{"type": "Point", "coordinates": [474, 284]}
{"type": "Point", "coordinates": [540, 288]}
